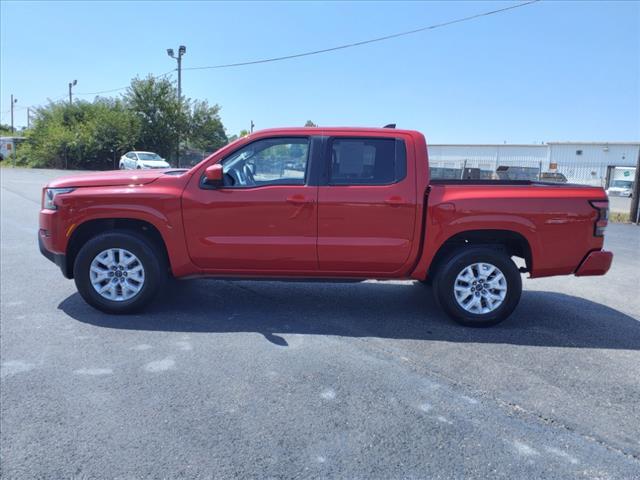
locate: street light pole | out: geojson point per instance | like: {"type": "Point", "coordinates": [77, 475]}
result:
{"type": "Point", "coordinates": [71, 84]}
{"type": "Point", "coordinates": [179, 75]}
{"type": "Point", "coordinates": [181, 51]}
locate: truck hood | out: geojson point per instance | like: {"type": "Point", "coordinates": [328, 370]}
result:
{"type": "Point", "coordinates": [107, 179]}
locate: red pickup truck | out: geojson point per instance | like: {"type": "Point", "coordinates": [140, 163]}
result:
{"type": "Point", "coordinates": [330, 203]}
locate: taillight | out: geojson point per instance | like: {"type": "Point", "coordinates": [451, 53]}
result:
{"type": "Point", "coordinates": [603, 216]}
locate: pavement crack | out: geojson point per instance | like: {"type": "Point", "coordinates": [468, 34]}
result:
{"type": "Point", "coordinates": [511, 408]}
{"type": "Point", "coordinates": [522, 412]}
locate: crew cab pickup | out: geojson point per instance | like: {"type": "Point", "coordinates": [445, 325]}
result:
{"type": "Point", "coordinates": [320, 203]}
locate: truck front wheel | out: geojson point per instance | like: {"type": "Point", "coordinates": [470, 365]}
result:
{"type": "Point", "coordinates": [118, 272]}
{"type": "Point", "coordinates": [478, 286]}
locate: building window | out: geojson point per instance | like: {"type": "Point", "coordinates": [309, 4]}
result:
{"type": "Point", "coordinates": [578, 152]}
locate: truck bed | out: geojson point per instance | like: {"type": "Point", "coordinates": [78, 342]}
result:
{"type": "Point", "coordinates": [526, 183]}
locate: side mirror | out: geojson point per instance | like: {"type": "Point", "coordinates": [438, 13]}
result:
{"type": "Point", "coordinates": [214, 174]}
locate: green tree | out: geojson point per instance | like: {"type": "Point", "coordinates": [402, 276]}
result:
{"type": "Point", "coordinates": [58, 136]}
{"type": "Point", "coordinates": [82, 135]}
{"type": "Point", "coordinates": [162, 117]}
{"type": "Point", "coordinates": [116, 129]}
{"type": "Point", "coordinates": [206, 131]}
{"type": "Point", "coordinates": [92, 135]}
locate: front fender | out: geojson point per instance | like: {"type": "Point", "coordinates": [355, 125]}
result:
{"type": "Point", "coordinates": [156, 205]}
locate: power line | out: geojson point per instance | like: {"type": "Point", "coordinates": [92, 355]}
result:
{"type": "Point", "coordinates": [365, 42]}
{"type": "Point", "coordinates": [125, 87]}
{"type": "Point", "coordinates": [102, 91]}
{"type": "Point", "coordinates": [324, 50]}
{"type": "Point", "coordinates": [35, 107]}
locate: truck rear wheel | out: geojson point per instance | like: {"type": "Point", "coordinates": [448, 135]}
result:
{"type": "Point", "coordinates": [118, 272]}
{"type": "Point", "coordinates": [478, 286]}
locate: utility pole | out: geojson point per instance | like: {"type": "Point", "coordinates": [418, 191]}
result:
{"type": "Point", "coordinates": [181, 51]}
{"type": "Point", "coordinates": [13, 141]}
{"type": "Point", "coordinates": [28, 117]}
{"type": "Point", "coordinates": [13, 101]}
{"type": "Point", "coordinates": [252, 125]}
{"type": "Point", "coordinates": [634, 211]}
{"type": "Point", "coordinates": [71, 84]}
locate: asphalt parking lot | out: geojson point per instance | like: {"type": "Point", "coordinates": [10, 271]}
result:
{"type": "Point", "coordinates": [247, 379]}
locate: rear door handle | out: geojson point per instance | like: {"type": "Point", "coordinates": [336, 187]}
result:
{"type": "Point", "coordinates": [395, 201]}
{"type": "Point", "coordinates": [298, 200]}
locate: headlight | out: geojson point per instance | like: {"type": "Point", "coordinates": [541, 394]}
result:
{"type": "Point", "coordinates": [50, 195]}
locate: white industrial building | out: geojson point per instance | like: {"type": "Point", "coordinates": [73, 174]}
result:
{"type": "Point", "coordinates": [579, 162]}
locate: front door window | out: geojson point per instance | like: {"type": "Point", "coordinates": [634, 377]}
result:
{"type": "Point", "coordinates": [274, 161]}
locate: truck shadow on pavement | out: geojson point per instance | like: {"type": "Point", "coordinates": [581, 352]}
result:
{"type": "Point", "coordinates": [384, 310]}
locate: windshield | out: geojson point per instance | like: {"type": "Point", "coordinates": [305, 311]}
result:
{"type": "Point", "coordinates": [622, 183]}
{"type": "Point", "coordinates": [149, 156]}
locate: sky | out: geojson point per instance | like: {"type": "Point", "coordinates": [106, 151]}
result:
{"type": "Point", "coordinates": [550, 71]}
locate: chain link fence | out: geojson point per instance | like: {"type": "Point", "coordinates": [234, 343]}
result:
{"type": "Point", "coordinates": [534, 170]}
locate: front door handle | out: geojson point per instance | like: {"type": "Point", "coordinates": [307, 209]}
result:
{"type": "Point", "coordinates": [298, 199]}
{"type": "Point", "coordinates": [395, 201]}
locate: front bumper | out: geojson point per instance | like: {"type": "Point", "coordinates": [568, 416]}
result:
{"type": "Point", "coordinates": [58, 258]}
{"type": "Point", "coordinates": [595, 263]}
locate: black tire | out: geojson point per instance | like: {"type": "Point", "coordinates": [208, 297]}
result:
{"type": "Point", "coordinates": [454, 264]}
{"type": "Point", "coordinates": [152, 262]}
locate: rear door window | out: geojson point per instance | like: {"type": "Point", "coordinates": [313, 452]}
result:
{"type": "Point", "coordinates": [367, 161]}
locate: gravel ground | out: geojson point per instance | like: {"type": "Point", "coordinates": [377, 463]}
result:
{"type": "Point", "coordinates": [247, 379]}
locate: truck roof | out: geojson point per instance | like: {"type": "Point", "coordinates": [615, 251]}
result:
{"type": "Point", "coordinates": [321, 130]}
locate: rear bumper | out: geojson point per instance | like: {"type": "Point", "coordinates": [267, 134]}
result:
{"type": "Point", "coordinates": [595, 263]}
{"type": "Point", "coordinates": [58, 258]}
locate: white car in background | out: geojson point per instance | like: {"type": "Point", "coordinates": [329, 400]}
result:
{"type": "Point", "coordinates": [142, 160]}
{"type": "Point", "coordinates": [621, 188]}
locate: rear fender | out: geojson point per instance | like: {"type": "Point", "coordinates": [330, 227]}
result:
{"type": "Point", "coordinates": [437, 235]}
